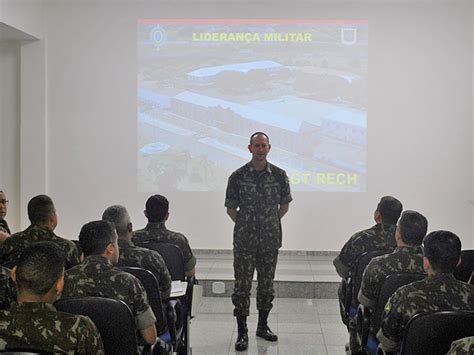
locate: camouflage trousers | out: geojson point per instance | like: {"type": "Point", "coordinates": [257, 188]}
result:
{"type": "Point", "coordinates": [245, 263]}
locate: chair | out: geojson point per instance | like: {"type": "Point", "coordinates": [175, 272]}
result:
{"type": "Point", "coordinates": [432, 333]}
{"type": "Point", "coordinates": [174, 260]}
{"type": "Point", "coordinates": [169, 322]}
{"type": "Point", "coordinates": [368, 322]}
{"type": "Point", "coordinates": [351, 284]}
{"type": "Point", "coordinates": [172, 255]}
{"type": "Point", "coordinates": [113, 319]}
{"type": "Point", "coordinates": [466, 267]}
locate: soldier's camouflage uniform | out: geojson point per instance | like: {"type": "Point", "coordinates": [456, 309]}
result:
{"type": "Point", "coordinates": [379, 237]}
{"type": "Point", "coordinates": [257, 231]}
{"type": "Point", "coordinates": [14, 245]}
{"type": "Point", "coordinates": [97, 277]}
{"type": "Point", "coordinates": [7, 288]}
{"type": "Point", "coordinates": [464, 346]}
{"type": "Point", "coordinates": [131, 255]}
{"type": "Point", "coordinates": [4, 227]}
{"type": "Point", "coordinates": [440, 292]}
{"type": "Point", "coordinates": [38, 325]}
{"type": "Point", "coordinates": [159, 233]}
{"type": "Point", "coordinates": [407, 259]}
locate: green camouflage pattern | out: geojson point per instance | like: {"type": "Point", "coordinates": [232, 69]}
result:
{"type": "Point", "coordinates": [158, 232]}
{"type": "Point", "coordinates": [7, 288]}
{"type": "Point", "coordinates": [245, 263]}
{"type": "Point", "coordinates": [97, 277]}
{"type": "Point", "coordinates": [464, 346]}
{"type": "Point", "coordinates": [403, 260]}
{"type": "Point", "coordinates": [14, 245]}
{"type": "Point", "coordinates": [257, 232]}
{"type": "Point", "coordinates": [441, 292]}
{"type": "Point", "coordinates": [131, 255]}
{"type": "Point", "coordinates": [4, 227]}
{"type": "Point", "coordinates": [379, 237]}
{"type": "Point", "coordinates": [38, 325]}
{"type": "Point", "coordinates": [257, 195]}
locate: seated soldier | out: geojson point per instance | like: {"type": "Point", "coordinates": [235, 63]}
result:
{"type": "Point", "coordinates": [439, 291]}
{"type": "Point", "coordinates": [96, 276]}
{"type": "Point", "coordinates": [157, 212]}
{"type": "Point", "coordinates": [131, 255]}
{"type": "Point", "coordinates": [33, 322]}
{"type": "Point", "coordinates": [4, 229]}
{"type": "Point", "coordinates": [44, 220]}
{"type": "Point", "coordinates": [407, 257]}
{"type": "Point", "coordinates": [379, 237]}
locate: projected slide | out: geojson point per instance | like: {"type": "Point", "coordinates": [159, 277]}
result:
{"type": "Point", "coordinates": [204, 86]}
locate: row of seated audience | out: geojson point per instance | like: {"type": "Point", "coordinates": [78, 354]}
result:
{"type": "Point", "coordinates": [400, 251]}
{"type": "Point", "coordinates": [38, 258]}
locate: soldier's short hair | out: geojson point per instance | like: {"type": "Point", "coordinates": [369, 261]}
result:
{"type": "Point", "coordinates": [119, 216]}
{"type": "Point", "coordinates": [39, 209]}
{"type": "Point", "coordinates": [390, 209]}
{"type": "Point", "coordinates": [443, 250]}
{"type": "Point", "coordinates": [40, 265]}
{"type": "Point", "coordinates": [157, 206]}
{"type": "Point", "coordinates": [95, 236]}
{"type": "Point", "coordinates": [256, 134]}
{"type": "Point", "coordinates": [412, 226]}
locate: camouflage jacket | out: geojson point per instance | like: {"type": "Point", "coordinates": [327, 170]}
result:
{"type": "Point", "coordinates": [7, 288]}
{"type": "Point", "coordinates": [97, 277]}
{"type": "Point", "coordinates": [159, 233]}
{"type": "Point", "coordinates": [441, 292]}
{"type": "Point", "coordinates": [131, 255]}
{"type": "Point", "coordinates": [464, 346]}
{"type": "Point", "coordinates": [257, 195]}
{"type": "Point", "coordinates": [402, 260]}
{"type": "Point", "coordinates": [38, 325]}
{"type": "Point", "coordinates": [379, 237]}
{"type": "Point", "coordinates": [4, 227]}
{"type": "Point", "coordinates": [13, 246]}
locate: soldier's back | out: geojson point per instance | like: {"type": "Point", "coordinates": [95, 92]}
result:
{"type": "Point", "coordinates": [37, 325]}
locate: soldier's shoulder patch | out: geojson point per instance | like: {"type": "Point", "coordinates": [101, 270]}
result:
{"type": "Point", "coordinates": [388, 307]}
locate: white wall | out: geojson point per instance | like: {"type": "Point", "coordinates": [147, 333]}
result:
{"type": "Point", "coordinates": [10, 128]}
{"type": "Point", "coordinates": [23, 15]}
{"type": "Point", "coordinates": [419, 134]}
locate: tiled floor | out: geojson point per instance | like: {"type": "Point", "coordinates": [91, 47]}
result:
{"type": "Point", "coordinates": [304, 326]}
{"type": "Point", "coordinates": [290, 267]}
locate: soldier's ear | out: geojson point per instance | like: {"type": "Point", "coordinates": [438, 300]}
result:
{"type": "Point", "coordinates": [130, 227]}
{"type": "Point", "coordinates": [58, 287]}
{"type": "Point", "coordinates": [146, 215]}
{"type": "Point", "coordinates": [426, 264]}
{"type": "Point", "coordinates": [13, 273]}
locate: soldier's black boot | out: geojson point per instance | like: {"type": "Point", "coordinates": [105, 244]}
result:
{"type": "Point", "coordinates": [242, 342]}
{"type": "Point", "coordinates": [263, 331]}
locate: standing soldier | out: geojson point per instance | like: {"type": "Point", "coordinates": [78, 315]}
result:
{"type": "Point", "coordinates": [257, 197]}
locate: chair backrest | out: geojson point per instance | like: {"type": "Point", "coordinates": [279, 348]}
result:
{"type": "Point", "coordinates": [466, 267]}
{"type": "Point", "coordinates": [389, 286]}
{"type": "Point", "coordinates": [432, 333]}
{"type": "Point", "coordinates": [172, 255]}
{"type": "Point", "coordinates": [361, 264]}
{"type": "Point", "coordinates": [151, 285]}
{"type": "Point", "coordinates": [113, 319]}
